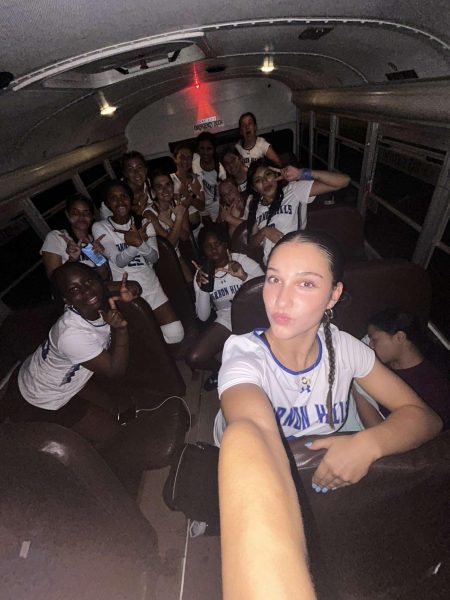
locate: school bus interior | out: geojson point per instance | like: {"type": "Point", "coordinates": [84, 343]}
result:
{"type": "Point", "coordinates": [359, 87]}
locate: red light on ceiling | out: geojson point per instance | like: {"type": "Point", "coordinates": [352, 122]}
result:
{"type": "Point", "coordinates": [197, 85]}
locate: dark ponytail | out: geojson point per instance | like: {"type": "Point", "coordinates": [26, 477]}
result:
{"type": "Point", "coordinates": [256, 199]}
{"type": "Point", "coordinates": [331, 362]}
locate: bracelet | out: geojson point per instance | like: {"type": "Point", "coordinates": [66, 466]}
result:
{"type": "Point", "coordinates": [305, 175]}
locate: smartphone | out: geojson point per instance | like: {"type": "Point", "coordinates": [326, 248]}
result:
{"type": "Point", "coordinates": [97, 259]}
{"type": "Point", "coordinates": [208, 268]}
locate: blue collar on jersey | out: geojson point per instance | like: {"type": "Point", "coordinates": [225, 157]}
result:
{"type": "Point", "coordinates": [258, 332]}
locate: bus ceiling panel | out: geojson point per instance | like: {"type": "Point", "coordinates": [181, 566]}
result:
{"type": "Point", "coordinates": [57, 32]}
{"type": "Point", "coordinates": [420, 102]}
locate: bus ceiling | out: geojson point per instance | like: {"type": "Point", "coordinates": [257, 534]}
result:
{"type": "Point", "coordinates": [62, 62]}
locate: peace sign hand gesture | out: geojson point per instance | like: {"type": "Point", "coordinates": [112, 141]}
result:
{"type": "Point", "coordinates": [113, 317]}
{"type": "Point", "coordinates": [73, 249]}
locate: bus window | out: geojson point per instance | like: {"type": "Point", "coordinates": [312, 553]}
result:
{"type": "Point", "coordinates": [353, 129]}
{"type": "Point", "coordinates": [349, 160]}
{"type": "Point", "coordinates": [438, 269]}
{"type": "Point", "coordinates": [93, 176]}
{"type": "Point", "coordinates": [53, 199]}
{"type": "Point", "coordinates": [387, 234]}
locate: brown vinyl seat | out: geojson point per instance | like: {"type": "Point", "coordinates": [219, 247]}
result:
{"type": "Point", "coordinates": [239, 244]}
{"type": "Point", "coordinates": [369, 287]}
{"type": "Point", "coordinates": [387, 536]}
{"type": "Point", "coordinates": [69, 530]}
{"type": "Point", "coordinates": [172, 280]}
{"type": "Point", "coordinates": [345, 224]}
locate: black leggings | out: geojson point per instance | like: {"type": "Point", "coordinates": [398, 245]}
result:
{"type": "Point", "coordinates": [209, 343]}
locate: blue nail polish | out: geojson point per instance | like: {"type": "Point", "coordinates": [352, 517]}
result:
{"type": "Point", "coordinates": [308, 444]}
{"type": "Point", "coordinates": [324, 490]}
{"type": "Point", "coordinates": [316, 487]}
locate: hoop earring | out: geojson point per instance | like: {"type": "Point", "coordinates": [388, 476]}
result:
{"type": "Point", "coordinates": [329, 314]}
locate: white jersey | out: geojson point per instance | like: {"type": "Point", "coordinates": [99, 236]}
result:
{"type": "Point", "coordinates": [54, 374]}
{"type": "Point", "coordinates": [291, 215]}
{"type": "Point", "coordinates": [137, 262]}
{"type": "Point", "coordinates": [259, 150]}
{"type": "Point", "coordinates": [298, 398]}
{"type": "Point", "coordinates": [164, 225]}
{"type": "Point", "coordinates": [225, 287]}
{"type": "Point", "coordinates": [55, 244]}
{"type": "Point", "coordinates": [210, 181]}
{"type": "Point", "coordinates": [177, 185]}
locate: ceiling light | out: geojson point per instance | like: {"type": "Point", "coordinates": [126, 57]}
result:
{"type": "Point", "coordinates": [106, 110]}
{"type": "Point", "coordinates": [267, 66]}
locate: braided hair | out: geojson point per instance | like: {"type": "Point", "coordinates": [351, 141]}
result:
{"type": "Point", "coordinates": [333, 252]}
{"type": "Point", "coordinates": [257, 198]}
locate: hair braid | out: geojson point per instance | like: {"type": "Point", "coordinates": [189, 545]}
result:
{"type": "Point", "coordinates": [251, 219]}
{"type": "Point", "coordinates": [332, 363]}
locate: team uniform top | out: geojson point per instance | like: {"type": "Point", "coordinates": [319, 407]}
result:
{"type": "Point", "coordinates": [177, 185]}
{"type": "Point", "coordinates": [210, 181]}
{"type": "Point", "coordinates": [259, 150]}
{"type": "Point", "coordinates": [225, 287]}
{"type": "Point", "coordinates": [165, 226]}
{"type": "Point", "coordinates": [55, 244]}
{"type": "Point", "coordinates": [288, 217]}
{"type": "Point", "coordinates": [298, 398]}
{"type": "Point", "coordinates": [136, 261]}
{"type": "Point", "coordinates": [53, 374]}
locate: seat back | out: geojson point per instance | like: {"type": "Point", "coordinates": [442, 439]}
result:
{"type": "Point", "coordinates": [345, 224]}
{"type": "Point", "coordinates": [86, 537]}
{"type": "Point", "coordinates": [239, 244]}
{"type": "Point", "coordinates": [172, 280]}
{"type": "Point", "coordinates": [375, 285]}
{"type": "Point", "coordinates": [152, 374]}
{"type": "Point", "coordinates": [369, 287]}
{"type": "Point", "coordinates": [388, 533]}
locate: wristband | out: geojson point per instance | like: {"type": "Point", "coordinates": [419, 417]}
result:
{"type": "Point", "coordinates": [306, 175]}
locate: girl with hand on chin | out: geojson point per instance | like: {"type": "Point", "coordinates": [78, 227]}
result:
{"type": "Point", "coordinates": [299, 371]}
{"type": "Point", "coordinates": [230, 271]}
{"type": "Point", "coordinates": [170, 220]}
{"type": "Point", "coordinates": [280, 198]}
{"type": "Point", "coordinates": [67, 244]}
{"type": "Point", "coordinates": [188, 187]}
{"type": "Point", "coordinates": [133, 249]}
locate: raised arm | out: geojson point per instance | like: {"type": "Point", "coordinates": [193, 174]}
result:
{"type": "Point", "coordinates": [262, 539]}
{"type": "Point", "coordinates": [324, 181]}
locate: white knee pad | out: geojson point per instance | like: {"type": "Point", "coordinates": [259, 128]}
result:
{"type": "Point", "coordinates": [173, 332]}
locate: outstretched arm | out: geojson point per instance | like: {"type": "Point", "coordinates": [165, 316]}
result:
{"type": "Point", "coordinates": [263, 545]}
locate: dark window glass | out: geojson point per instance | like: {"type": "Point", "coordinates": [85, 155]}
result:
{"type": "Point", "coordinates": [30, 291]}
{"type": "Point", "coordinates": [408, 194]}
{"type": "Point", "coordinates": [18, 253]}
{"type": "Point", "coordinates": [439, 269]}
{"type": "Point", "coordinates": [353, 129]}
{"type": "Point", "coordinates": [349, 160]}
{"type": "Point", "coordinates": [59, 193]}
{"type": "Point", "coordinates": [318, 164]}
{"type": "Point", "coordinates": [323, 121]}
{"type": "Point", "coordinates": [446, 236]}
{"type": "Point", "coordinates": [390, 236]}
{"type": "Point", "coordinates": [322, 146]}
{"type": "Point", "coordinates": [93, 174]}
{"type": "Point", "coordinates": [116, 166]}
{"type": "Point", "coordinates": [58, 220]}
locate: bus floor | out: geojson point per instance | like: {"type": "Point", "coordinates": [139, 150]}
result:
{"type": "Point", "coordinates": [191, 566]}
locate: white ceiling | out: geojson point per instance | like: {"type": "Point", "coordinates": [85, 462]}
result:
{"type": "Point", "coordinates": [46, 37]}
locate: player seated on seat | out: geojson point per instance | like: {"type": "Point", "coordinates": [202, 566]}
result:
{"type": "Point", "coordinates": [91, 336]}
{"type": "Point", "coordinates": [235, 168]}
{"type": "Point", "coordinates": [400, 343]}
{"type": "Point", "coordinates": [296, 374]}
{"type": "Point", "coordinates": [75, 241]}
{"type": "Point", "coordinates": [170, 220]}
{"type": "Point", "coordinates": [280, 198]}
{"type": "Point", "coordinates": [135, 250]}
{"type": "Point", "coordinates": [227, 271]}
{"type": "Point", "coordinates": [251, 147]}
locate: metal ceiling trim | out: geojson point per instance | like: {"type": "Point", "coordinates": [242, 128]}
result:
{"type": "Point", "coordinates": [355, 70]}
{"type": "Point", "coordinates": [198, 32]}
